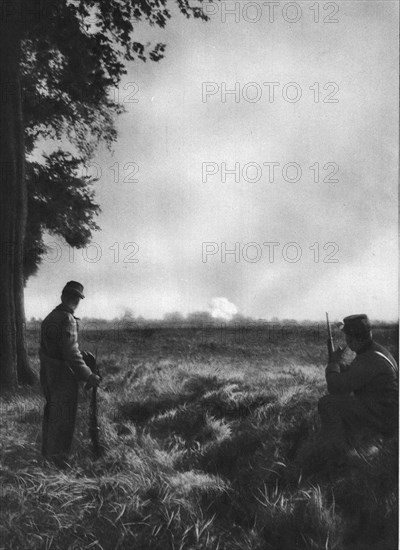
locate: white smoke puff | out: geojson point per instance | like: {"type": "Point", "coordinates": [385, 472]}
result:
{"type": "Point", "coordinates": [222, 308]}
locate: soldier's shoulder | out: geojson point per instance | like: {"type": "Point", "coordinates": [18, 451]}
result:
{"type": "Point", "coordinates": [59, 315]}
{"type": "Point", "coordinates": [380, 355]}
{"type": "Point", "coordinates": [378, 348]}
{"type": "Point", "coordinates": [386, 352]}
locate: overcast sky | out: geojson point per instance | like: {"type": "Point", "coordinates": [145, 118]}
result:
{"type": "Point", "coordinates": [181, 140]}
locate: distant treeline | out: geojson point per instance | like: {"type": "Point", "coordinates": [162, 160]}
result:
{"type": "Point", "coordinates": [205, 330]}
{"type": "Point", "coordinates": [202, 320]}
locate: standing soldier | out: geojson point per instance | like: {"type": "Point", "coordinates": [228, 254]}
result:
{"type": "Point", "coordinates": [62, 366]}
{"type": "Point", "coordinates": [363, 395]}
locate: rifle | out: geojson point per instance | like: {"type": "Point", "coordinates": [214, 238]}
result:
{"type": "Point", "coordinates": [94, 429]}
{"type": "Point", "coordinates": [331, 347]}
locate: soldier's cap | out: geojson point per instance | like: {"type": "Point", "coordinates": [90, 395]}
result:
{"type": "Point", "coordinates": [356, 325]}
{"type": "Point", "coordinates": [73, 287]}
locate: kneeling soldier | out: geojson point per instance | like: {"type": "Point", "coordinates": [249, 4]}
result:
{"type": "Point", "coordinates": [363, 395]}
{"type": "Point", "coordinates": [62, 366]}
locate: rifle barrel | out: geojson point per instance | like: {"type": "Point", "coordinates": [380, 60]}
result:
{"type": "Point", "coordinates": [331, 347]}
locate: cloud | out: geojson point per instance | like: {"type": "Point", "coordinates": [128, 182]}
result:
{"type": "Point", "coordinates": [222, 308]}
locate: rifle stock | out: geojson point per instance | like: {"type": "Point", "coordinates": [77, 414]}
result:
{"type": "Point", "coordinates": [93, 421]}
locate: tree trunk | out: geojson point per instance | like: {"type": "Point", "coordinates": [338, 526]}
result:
{"type": "Point", "coordinates": [13, 202]}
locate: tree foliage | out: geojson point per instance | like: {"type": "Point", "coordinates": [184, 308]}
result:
{"type": "Point", "coordinates": [59, 202]}
{"type": "Point", "coordinates": [74, 55]}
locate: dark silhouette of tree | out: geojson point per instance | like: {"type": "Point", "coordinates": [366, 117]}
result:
{"type": "Point", "coordinates": [59, 202]}
{"type": "Point", "coordinates": [59, 60]}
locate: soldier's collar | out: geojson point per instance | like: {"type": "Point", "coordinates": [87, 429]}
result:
{"type": "Point", "coordinates": [63, 307]}
{"type": "Point", "coordinates": [366, 347]}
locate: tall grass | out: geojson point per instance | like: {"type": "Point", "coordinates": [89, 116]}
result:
{"type": "Point", "coordinates": [206, 447]}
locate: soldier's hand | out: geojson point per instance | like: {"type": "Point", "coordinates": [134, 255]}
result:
{"type": "Point", "coordinates": [92, 382]}
{"type": "Point", "coordinates": [337, 355]}
{"type": "Point", "coordinates": [89, 359]}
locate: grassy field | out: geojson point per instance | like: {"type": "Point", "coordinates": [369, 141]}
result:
{"type": "Point", "coordinates": [209, 440]}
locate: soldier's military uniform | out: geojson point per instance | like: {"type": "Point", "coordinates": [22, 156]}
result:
{"type": "Point", "coordinates": [363, 395]}
{"type": "Point", "coordinates": [61, 368]}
